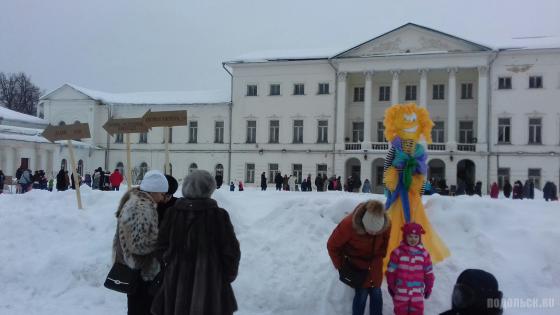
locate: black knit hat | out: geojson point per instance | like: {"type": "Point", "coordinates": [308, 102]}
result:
{"type": "Point", "coordinates": [476, 292]}
{"type": "Point", "coordinates": [173, 185]}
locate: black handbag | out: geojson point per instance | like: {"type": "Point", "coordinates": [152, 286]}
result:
{"type": "Point", "coordinates": [351, 275]}
{"type": "Point", "coordinates": [122, 278]}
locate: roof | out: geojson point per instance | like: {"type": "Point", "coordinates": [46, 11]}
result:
{"type": "Point", "coordinates": [285, 55]}
{"type": "Point", "coordinates": [153, 98]}
{"type": "Point", "coordinates": [9, 114]}
{"type": "Point", "coordinates": [32, 135]}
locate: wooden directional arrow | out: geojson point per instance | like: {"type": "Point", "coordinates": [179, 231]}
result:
{"type": "Point", "coordinates": [165, 119]}
{"type": "Point", "coordinates": [66, 132]}
{"type": "Point", "coordinates": [125, 125]}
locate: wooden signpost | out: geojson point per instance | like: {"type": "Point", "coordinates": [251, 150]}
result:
{"type": "Point", "coordinates": [166, 119]}
{"type": "Point", "coordinates": [69, 132]}
{"type": "Point", "coordinates": [126, 126]}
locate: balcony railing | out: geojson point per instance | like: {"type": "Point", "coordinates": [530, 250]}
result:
{"type": "Point", "coordinates": [436, 147]}
{"type": "Point", "coordinates": [353, 146]}
{"type": "Point", "coordinates": [470, 147]}
{"type": "Point", "coordinates": [380, 146]}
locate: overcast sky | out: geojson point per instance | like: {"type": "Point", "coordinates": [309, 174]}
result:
{"type": "Point", "coordinates": [147, 45]}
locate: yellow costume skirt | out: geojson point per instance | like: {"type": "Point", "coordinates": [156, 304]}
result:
{"type": "Point", "coordinates": [431, 240]}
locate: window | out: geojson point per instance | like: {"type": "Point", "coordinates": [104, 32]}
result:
{"type": "Point", "coordinates": [170, 133]}
{"type": "Point", "coordinates": [466, 132]}
{"type": "Point", "coordinates": [297, 172]}
{"type": "Point", "coordinates": [249, 173]}
{"type": "Point", "coordinates": [323, 131]}
{"type": "Point", "coordinates": [143, 137]}
{"type": "Point", "coordinates": [272, 171]}
{"type": "Point", "coordinates": [193, 131]}
{"type": "Point", "coordinates": [535, 177]}
{"type": "Point", "coordinates": [274, 130]}
{"type": "Point", "coordinates": [323, 88]}
{"type": "Point", "coordinates": [192, 167]}
{"type": "Point", "coordinates": [299, 89]}
{"type": "Point", "coordinates": [81, 167]}
{"type": "Point", "coordinates": [219, 132]}
{"type": "Point", "coordinates": [357, 131]}
{"type": "Point", "coordinates": [252, 90]}
{"type": "Point", "coordinates": [503, 176]}
{"type": "Point", "coordinates": [384, 93]}
{"type": "Point", "coordinates": [358, 94]}
{"type": "Point", "coordinates": [119, 138]}
{"type": "Point", "coordinates": [535, 82]}
{"type": "Point", "coordinates": [321, 169]}
{"type": "Point", "coordinates": [438, 132]}
{"type": "Point", "coordinates": [437, 93]}
{"type": "Point", "coordinates": [535, 128]}
{"type": "Point", "coordinates": [466, 91]}
{"type": "Point", "coordinates": [298, 131]}
{"type": "Point", "coordinates": [504, 83]}
{"type": "Point", "coordinates": [143, 169]}
{"type": "Point", "coordinates": [120, 167]}
{"type": "Point", "coordinates": [275, 89]}
{"type": "Point", "coordinates": [64, 165]}
{"type": "Point", "coordinates": [504, 130]}
{"type": "Point", "coordinates": [381, 132]}
{"type": "Point", "coordinates": [251, 131]}
{"type": "Point", "coordinates": [410, 94]}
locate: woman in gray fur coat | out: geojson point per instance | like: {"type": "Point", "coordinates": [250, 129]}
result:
{"type": "Point", "coordinates": [200, 253]}
{"type": "Point", "coordinates": [136, 236]}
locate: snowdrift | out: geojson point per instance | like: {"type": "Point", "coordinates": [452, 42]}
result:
{"type": "Point", "coordinates": [54, 257]}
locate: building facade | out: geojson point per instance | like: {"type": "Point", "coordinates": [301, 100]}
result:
{"type": "Point", "coordinates": [495, 112]}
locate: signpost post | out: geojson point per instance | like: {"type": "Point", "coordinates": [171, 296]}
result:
{"type": "Point", "coordinates": [126, 126]}
{"type": "Point", "coordinates": [166, 119]}
{"type": "Point", "coordinates": [69, 132]}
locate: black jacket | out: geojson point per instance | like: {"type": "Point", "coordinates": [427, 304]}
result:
{"type": "Point", "coordinates": [200, 254]}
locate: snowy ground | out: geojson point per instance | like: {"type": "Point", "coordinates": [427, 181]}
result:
{"type": "Point", "coordinates": [54, 257]}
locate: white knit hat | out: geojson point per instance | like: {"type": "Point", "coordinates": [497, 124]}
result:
{"type": "Point", "coordinates": [373, 221]}
{"type": "Point", "coordinates": [154, 181]}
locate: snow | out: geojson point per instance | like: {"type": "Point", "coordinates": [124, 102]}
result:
{"type": "Point", "coordinates": [55, 257]}
{"type": "Point", "coordinates": [9, 114]}
{"type": "Point", "coordinates": [157, 98]}
{"type": "Point", "coordinates": [280, 55]}
{"type": "Point", "coordinates": [32, 135]}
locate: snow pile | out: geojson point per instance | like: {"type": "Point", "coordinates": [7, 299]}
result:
{"type": "Point", "coordinates": [9, 114]}
{"type": "Point", "coordinates": [55, 257]}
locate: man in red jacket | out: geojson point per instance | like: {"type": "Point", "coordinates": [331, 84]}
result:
{"type": "Point", "coordinates": [362, 237]}
{"type": "Point", "coordinates": [116, 179]}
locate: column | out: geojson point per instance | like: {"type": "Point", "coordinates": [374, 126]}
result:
{"type": "Point", "coordinates": [395, 87]}
{"type": "Point", "coordinates": [482, 115]}
{"type": "Point", "coordinates": [451, 110]}
{"type": "Point", "coordinates": [423, 87]}
{"type": "Point", "coordinates": [367, 110]}
{"type": "Point", "coordinates": [49, 163]}
{"type": "Point", "coordinates": [38, 160]}
{"type": "Point", "coordinates": [341, 110]}
{"type": "Point", "coordinates": [9, 165]}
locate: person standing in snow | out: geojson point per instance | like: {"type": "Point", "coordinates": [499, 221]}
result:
{"type": "Point", "coordinates": [231, 186]}
{"type": "Point", "coordinates": [240, 186]}
{"type": "Point", "coordinates": [2, 178]}
{"type": "Point", "coordinates": [361, 239]}
{"type": "Point", "coordinates": [410, 276]}
{"type": "Point", "coordinates": [136, 236]}
{"type": "Point", "coordinates": [200, 252]}
{"type": "Point", "coordinates": [507, 189]}
{"type": "Point", "coordinates": [219, 180]}
{"type": "Point", "coordinates": [116, 179]}
{"type": "Point", "coordinates": [319, 182]}
{"type": "Point", "coordinates": [366, 188]}
{"type": "Point", "coordinates": [517, 190]}
{"type": "Point", "coordinates": [292, 183]}
{"type": "Point", "coordinates": [494, 190]}
{"type": "Point", "coordinates": [263, 181]}
{"type": "Point", "coordinates": [25, 181]}
{"type": "Point", "coordinates": [278, 181]}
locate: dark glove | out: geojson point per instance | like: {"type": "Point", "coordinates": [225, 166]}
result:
{"type": "Point", "coordinates": [427, 294]}
{"type": "Point", "coordinates": [391, 292]}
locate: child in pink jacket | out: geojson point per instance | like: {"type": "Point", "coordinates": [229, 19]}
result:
{"type": "Point", "coordinates": [410, 277]}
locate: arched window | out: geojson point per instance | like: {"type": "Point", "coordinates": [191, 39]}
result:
{"type": "Point", "coordinates": [81, 167]}
{"type": "Point", "coordinates": [219, 170]}
{"type": "Point", "coordinates": [192, 167]}
{"type": "Point", "coordinates": [77, 122]}
{"type": "Point", "coordinates": [120, 167]}
{"type": "Point", "coordinates": [64, 165]}
{"type": "Point", "coordinates": [143, 170]}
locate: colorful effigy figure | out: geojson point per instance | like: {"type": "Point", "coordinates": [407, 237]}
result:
{"type": "Point", "coordinates": [408, 127]}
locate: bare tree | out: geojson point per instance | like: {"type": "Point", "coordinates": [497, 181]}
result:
{"type": "Point", "coordinates": [18, 93]}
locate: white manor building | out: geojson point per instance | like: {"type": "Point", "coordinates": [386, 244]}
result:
{"type": "Point", "coordinates": [496, 112]}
